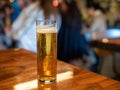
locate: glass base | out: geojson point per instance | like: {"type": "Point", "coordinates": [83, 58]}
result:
{"type": "Point", "coordinates": [47, 80]}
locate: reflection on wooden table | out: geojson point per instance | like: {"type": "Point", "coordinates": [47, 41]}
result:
{"type": "Point", "coordinates": [18, 71]}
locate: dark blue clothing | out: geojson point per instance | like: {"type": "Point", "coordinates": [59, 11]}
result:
{"type": "Point", "coordinates": [71, 43]}
{"type": "Point", "coordinates": [17, 10]}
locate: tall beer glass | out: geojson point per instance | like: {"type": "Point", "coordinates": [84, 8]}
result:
{"type": "Point", "coordinates": [46, 51]}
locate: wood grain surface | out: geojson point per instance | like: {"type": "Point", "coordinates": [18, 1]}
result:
{"type": "Point", "coordinates": [18, 71]}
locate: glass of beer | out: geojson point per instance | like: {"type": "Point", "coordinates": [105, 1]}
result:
{"type": "Point", "coordinates": [46, 51]}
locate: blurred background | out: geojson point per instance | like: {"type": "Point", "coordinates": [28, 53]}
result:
{"type": "Point", "coordinates": [77, 21]}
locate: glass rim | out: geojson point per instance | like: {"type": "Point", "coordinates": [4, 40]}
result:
{"type": "Point", "coordinates": [46, 21]}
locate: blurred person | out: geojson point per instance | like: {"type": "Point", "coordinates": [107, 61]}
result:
{"type": "Point", "coordinates": [4, 2]}
{"type": "Point", "coordinates": [4, 13]}
{"type": "Point", "coordinates": [18, 6]}
{"type": "Point", "coordinates": [24, 28]}
{"type": "Point", "coordinates": [72, 45]}
{"type": "Point", "coordinates": [22, 3]}
{"type": "Point", "coordinates": [2, 18]}
{"type": "Point", "coordinates": [117, 21]}
{"type": "Point", "coordinates": [97, 23]}
{"type": "Point", "coordinates": [8, 20]}
{"type": "Point", "coordinates": [1, 46]}
{"type": "Point", "coordinates": [1, 26]}
{"type": "Point", "coordinates": [98, 20]}
{"type": "Point", "coordinates": [16, 10]}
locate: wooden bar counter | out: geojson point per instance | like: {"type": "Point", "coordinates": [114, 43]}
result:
{"type": "Point", "coordinates": [18, 71]}
{"type": "Point", "coordinates": [107, 40]}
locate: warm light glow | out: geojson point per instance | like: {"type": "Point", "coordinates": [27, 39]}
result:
{"type": "Point", "coordinates": [11, 1]}
{"type": "Point", "coordinates": [55, 3]}
{"type": "Point", "coordinates": [30, 85]}
{"type": "Point", "coordinates": [105, 40]}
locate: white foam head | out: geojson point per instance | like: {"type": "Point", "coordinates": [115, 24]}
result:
{"type": "Point", "coordinates": [46, 29]}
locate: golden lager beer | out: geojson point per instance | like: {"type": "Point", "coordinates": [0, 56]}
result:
{"type": "Point", "coordinates": [47, 53]}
